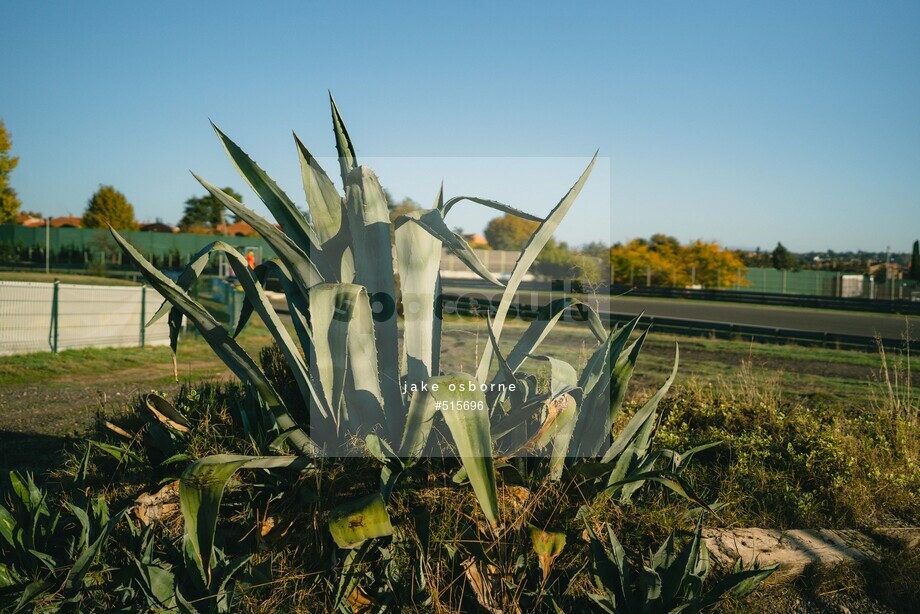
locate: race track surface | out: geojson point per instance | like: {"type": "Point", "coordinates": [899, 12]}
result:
{"type": "Point", "coordinates": [812, 320]}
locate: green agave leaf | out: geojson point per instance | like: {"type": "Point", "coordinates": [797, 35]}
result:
{"type": "Point", "coordinates": [73, 583]}
{"type": "Point", "coordinates": [33, 591]}
{"type": "Point", "coordinates": [418, 255]}
{"type": "Point", "coordinates": [348, 161]}
{"type": "Point", "coordinates": [505, 376]}
{"type": "Point", "coordinates": [547, 317]}
{"type": "Point", "coordinates": [419, 420]}
{"type": "Point", "coordinates": [433, 223]}
{"type": "Point", "coordinates": [562, 438]}
{"type": "Point", "coordinates": [353, 523]}
{"type": "Point", "coordinates": [611, 573]}
{"type": "Point", "coordinates": [623, 368]}
{"type": "Point", "coordinates": [201, 489]}
{"type": "Point", "coordinates": [343, 335]}
{"type": "Point", "coordinates": [438, 319]}
{"type": "Point", "coordinates": [635, 458]}
{"type": "Point", "coordinates": [562, 375]}
{"type": "Point", "coordinates": [445, 207]}
{"type": "Point", "coordinates": [323, 198]}
{"type": "Point", "coordinates": [303, 270]}
{"type": "Point", "coordinates": [669, 479]}
{"type": "Point", "coordinates": [681, 460]}
{"type": "Point", "coordinates": [470, 432]}
{"type": "Point", "coordinates": [292, 221]}
{"type": "Point", "coordinates": [255, 296]}
{"type": "Point", "coordinates": [369, 224]}
{"type": "Point", "coordinates": [529, 254]}
{"type": "Point", "coordinates": [740, 583]}
{"type": "Point", "coordinates": [351, 575]}
{"type": "Point", "coordinates": [605, 388]}
{"type": "Point", "coordinates": [298, 308]}
{"type": "Point", "coordinates": [679, 570]}
{"type": "Point", "coordinates": [187, 279]}
{"type": "Point", "coordinates": [24, 487]}
{"type": "Point", "coordinates": [227, 349]}
{"type": "Point", "coordinates": [8, 526]}
{"type": "Point", "coordinates": [643, 419]}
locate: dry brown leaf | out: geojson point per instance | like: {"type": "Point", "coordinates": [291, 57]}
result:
{"type": "Point", "coordinates": [152, 507]}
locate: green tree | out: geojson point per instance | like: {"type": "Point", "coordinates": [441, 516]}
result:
{"type": "Point", "coordinates": [782, 258]}
{"type": "Point", "coordinates": [107, 207]}
{"type": "Point", "coordinates": [205, 213]}
{"type": "Point", "coordinates": [401, 208]}
{"type": "Point", "coordinates": [9, 202]}
{"type": "Point", "coordinates": [915, 262]}
{"type": "Point", "coordinates": [509, 232]}
{"type": "Point", "coordinates": [557, 261]}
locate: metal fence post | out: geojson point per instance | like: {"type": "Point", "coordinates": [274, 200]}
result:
{"type": "Point", "coordinates": [54, 318]}
{"type": "Point", "coordinates": [143, 312]}
{"type": "Point", "coordinates": [48, 246]}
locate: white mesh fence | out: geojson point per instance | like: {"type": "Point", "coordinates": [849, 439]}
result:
{"type": "Point", "coordinates": [86, 316]}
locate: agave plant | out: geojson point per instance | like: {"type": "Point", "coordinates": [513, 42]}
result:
{"type": "Point", "coordinates": [671, 580]}
{"type": "Point", "coordinates": [42, 558]}
{"type": "Point", "coordinates": [338, 266]}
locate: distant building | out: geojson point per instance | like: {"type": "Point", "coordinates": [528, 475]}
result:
{"type": "Point", "coordinates": [158, 227]}
{"type": "Point", "coordinates": [67, 221]}
{"type": "Point", "coordinates": [237, 229]}
{"type": "Point", "coordinates": [29, 220]}
{"type": "Point", "coordinates": [476, 241]}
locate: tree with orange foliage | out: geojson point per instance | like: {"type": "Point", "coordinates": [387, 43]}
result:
{"type": "Point", "coordinates": [668, 263]}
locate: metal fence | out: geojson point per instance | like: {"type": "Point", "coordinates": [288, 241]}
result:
{"type": "Point", "coordinates": [77, 249]}
{"type": "Point", "coordinates": [42, 317]}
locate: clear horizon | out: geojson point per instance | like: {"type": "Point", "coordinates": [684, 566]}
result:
{"type": "Point", "coordinates": [747, 125]}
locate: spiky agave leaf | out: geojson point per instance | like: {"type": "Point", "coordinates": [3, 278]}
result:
{"type": "Point", "coordinates": [369, 225]}
{"type": "Point", "coordinates": [201, 489]}
{"type": "Point", "coordinates": [469, 429]}
{"type": "Point", "coordinates": [292, 221]}
{"type": "Point", "coordinates": [346, 359]}
{"type": "Point", "coordinates": [304, 271]}
{"type": "Point", "coordinates": [528, 255]}
{"type": "Point", "coordinates": [348, 161]}
{"type": "Point", "coordinates": [234, 356]}
{"type": "Point", "coordinates": [418, 255]}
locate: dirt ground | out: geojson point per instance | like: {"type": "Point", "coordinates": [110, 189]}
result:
{"type": "Point", "coordinates": [42, 413]}
{"type": "Point", "coordinates": [38, 419]}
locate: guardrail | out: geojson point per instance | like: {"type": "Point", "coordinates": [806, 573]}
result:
{"type": "Point", "coordinates": [466, 305]}
{"type": "Point", "coordinates": [902, 307]}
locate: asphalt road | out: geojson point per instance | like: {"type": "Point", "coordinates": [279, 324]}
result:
{"type": "Point", "coordinates": [812, 320]}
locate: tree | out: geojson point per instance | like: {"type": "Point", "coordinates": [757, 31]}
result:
{"type": "Point", "coordinates": [109, 207]}
{"type": "Point", "coordinates": [509, 232]}
{"type": "Point", "coordinates": [204, 214]}
{"type": "Point", "coordinates": [557, 261]}
{"type": "Point", "coordinates": [915, 262]}
{"type": "Point", "coordinates": [782, 258]}
{"type": "Point", "coordinates": [9, 201]}
{"type": "Point", "coordinates": [665, 262]}
{"type": "Point", "coordinates": [636, 262]}
{"type": "Point", "coordinates": [714, 267]}
{"type": "Point", "coordinates": [401, 208]}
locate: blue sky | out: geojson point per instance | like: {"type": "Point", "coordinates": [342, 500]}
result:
{"type": "Point", "coordinates": [748, 124]}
